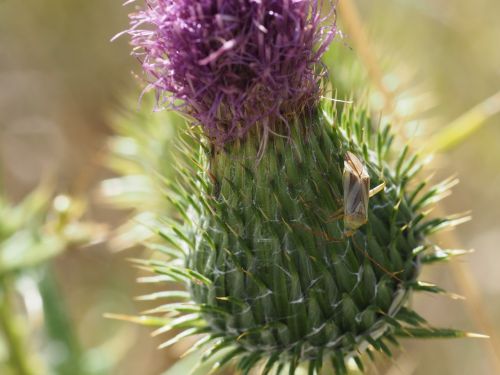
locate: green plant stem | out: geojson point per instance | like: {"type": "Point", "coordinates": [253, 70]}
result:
{"type": "Point", "coordinates": [58, 324]}
{"type": "Point", "coordinates": [12, 330]}
{"type": "Point", "coordinates": [463, 127]}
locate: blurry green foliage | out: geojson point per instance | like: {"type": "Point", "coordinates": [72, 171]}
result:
{"type": "Point", "coordinates": [35, 330]}
{"type": "Point", "coordinates": [141, 153]}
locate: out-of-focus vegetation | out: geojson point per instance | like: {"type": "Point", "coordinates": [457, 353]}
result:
{"type": "Point", "coordinates": [60, 78]}
{"type": "Point", "coordinates": [36, 334]}
{"type": "Point", "coordinates": [141, 152]}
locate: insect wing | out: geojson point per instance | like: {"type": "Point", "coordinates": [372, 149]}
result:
{"type": "Point", "coordinates": [356, 183]}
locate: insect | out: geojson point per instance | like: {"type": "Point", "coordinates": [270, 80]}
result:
{"type": "Point", "coordinates": [356, 184]}
{"type": "Point", "coordinates": [357, 192]}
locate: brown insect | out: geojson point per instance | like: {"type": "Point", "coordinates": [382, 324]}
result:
{"type": "Point", "coordinates": [357, 192]}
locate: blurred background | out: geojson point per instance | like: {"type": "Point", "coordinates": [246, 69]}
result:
{"type": "Point", "coordinates": [62, 84]}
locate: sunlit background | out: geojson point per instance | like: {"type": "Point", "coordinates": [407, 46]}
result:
{"type": "Point", "coordinates": [62, 83]}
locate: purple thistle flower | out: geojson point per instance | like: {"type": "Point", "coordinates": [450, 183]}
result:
{"type": "Point", "coordinates": [233, 64]}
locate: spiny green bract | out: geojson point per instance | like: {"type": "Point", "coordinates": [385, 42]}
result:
{"type": "Point", "coordinates": [273, 280]}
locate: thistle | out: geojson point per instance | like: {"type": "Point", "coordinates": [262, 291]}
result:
{"type": "Point", "coordinates": [233, 64]}
{"type": "Point", "coordinates": [288, 258]}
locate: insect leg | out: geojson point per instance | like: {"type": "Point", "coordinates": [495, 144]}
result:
{"type": "Point", "coordinates": [376, 189]}
{"type": "Point", "coordinates": [378, 265]}
{"type": "Point", "coordinates": [337, 215]}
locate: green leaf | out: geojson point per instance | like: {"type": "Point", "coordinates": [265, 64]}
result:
{"type": "Point", "coordinates": [422, 286]}
{"type": "Point", "coordinates": [168, 294]}
{"type": "Point", "coordinates": [148, 321]}
{"type": "Point", "coordinates": [440, 255]}
{"type": "Point", "coordinates": [179, 337]}
{"type": "Point", "coordinates": [444, 333]}
{"type": "Point", "coordinates": [26, 249]}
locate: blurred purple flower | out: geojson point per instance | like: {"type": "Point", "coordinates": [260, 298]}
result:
{"type": "Point", "coordinates": [233, 64]}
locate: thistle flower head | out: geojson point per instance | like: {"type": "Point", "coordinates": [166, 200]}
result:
{"type": "Point", "coordinates": [233, 64]}
{"type": "Point", "coordinates": [295, 259]}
